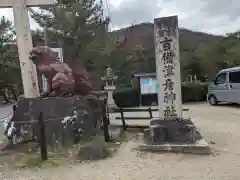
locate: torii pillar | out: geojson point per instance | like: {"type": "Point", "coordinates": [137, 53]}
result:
{"type": "Point", "coordinates": [24, 41]}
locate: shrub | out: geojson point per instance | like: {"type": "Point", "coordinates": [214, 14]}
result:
{"type": "Point", "coordinates": [130, 97]}
{"type": "Point", "coordinates": [127, 97]}
{"type": "Point", "coordinates": [194, 92]}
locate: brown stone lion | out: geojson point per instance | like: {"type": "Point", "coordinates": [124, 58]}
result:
{"type": "Point", "coordinates": [61, 79]}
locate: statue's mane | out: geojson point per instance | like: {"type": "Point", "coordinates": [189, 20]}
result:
{"type": "Point", "coordinates": [47, 55]}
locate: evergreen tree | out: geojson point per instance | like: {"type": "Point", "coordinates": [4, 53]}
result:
{"type": "Point", "coordinates": [78, 24]}
{"type": "Point", "coordinates": [9, 64]}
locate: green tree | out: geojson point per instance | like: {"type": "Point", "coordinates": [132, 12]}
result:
{"type": "Point", "coordinates": [80, 25]}
{"type": "Point", "coordinates": [9, 65]}
{"type": "Point", "coordinates": [221, 54]}
{"type": "Point", "coordinates": [6, 35]}
{"type": "Point", "coordinates": [81, 29]}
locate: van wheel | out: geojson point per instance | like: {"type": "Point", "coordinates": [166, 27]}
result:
{"type": "Point", "coordinates": [213, 100]}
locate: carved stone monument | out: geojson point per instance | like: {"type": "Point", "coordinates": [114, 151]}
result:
{"type": "Point", "coordinates": [109, 80]}
{"type": "Point", "coordinates": [170, 128]}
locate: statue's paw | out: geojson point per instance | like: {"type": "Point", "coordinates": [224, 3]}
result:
{"type": "Point", "coordinates": [44, 94]}
{"type": "Point", "coordinates": [69, 94]}
{"type": "Point", "coordinates": [53, 94]}
{"type": "Point", "coordinates": [66, 94]}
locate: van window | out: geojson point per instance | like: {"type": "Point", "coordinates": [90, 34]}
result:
{"type": "Point", "coordinates": [221, 78]}
{"type": "Point", "coordinates": [234, 77]}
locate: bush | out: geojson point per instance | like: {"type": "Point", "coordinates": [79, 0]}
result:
{"type": "Point", "coordinates": [194, 92]}
{"type": "Point", "coordinates": [130, 97]}
{"type": "Point", "coordinates": [127, 97]}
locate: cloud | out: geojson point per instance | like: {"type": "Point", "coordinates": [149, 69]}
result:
{"type": "Point", "coordinates": [211, 16]}
{"type": "Point", "coordinates": [133, 11]}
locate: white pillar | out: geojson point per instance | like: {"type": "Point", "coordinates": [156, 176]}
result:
{"type": "Point", "coordinates": [168, 67]}
{"type": "Point", "coordinates": [24, 42]}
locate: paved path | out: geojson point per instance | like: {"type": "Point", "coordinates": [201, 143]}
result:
{"type": "Point", "coordinates": [219, 125]}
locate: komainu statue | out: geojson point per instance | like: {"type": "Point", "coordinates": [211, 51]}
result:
{"type": "Point", "coordinates": [62, 80]}
{"type": "Point", "coordinates": [73, 114]}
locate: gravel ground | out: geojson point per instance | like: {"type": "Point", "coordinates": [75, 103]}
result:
{"type": "Point", "coordinates": [219, 126]}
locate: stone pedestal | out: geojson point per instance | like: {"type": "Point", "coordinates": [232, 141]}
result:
{"type": "Point", "coordinates": [66, 119]}
{"type": "Point", "coordinates": [174, 131]}
{"type": "Point", "coordinates": [110, 100]}
{"type": "Point", "coordinates": [178, 135]}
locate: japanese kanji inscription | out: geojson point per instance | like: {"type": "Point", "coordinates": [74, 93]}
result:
{"type": "Point", "coordinates": [168, 67]}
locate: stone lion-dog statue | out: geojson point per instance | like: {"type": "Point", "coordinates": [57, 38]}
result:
{"type": "Point", "coordinates": [62, 80]}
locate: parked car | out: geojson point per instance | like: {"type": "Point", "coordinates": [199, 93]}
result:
{"type": "Point", "coordinates": [225, 87]}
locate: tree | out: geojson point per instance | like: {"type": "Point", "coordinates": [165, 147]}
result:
{"type": "Point", "coordinates": [37, 36]}
{"type": "Point", "coordinates": [234, 34]}
{"type": "Point", "coordinates": [79, 25]}
{"type": "Point", "coordinates": [221, 54]}
{"type": "Point", "coordinates": [6, 36]}
{"type": "Point", "coordinates": [9, 65]}
{"type": "Point", "coordinates": [81, 29]}
{"type": "Point", "coordinates": [6, 30]}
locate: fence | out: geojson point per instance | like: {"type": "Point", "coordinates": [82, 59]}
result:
{"type": "Point", "coordinates": [123, 118]}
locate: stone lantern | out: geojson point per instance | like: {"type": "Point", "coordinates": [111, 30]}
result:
{"type": "Point", "coordinates": [109, 87]}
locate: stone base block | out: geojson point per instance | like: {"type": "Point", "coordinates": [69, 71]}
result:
{"type": "Point", "coordinates": [162, 131]}
{"type": "Point", "coordinates": [115, 132]}
{"type": "Point", "coordinates": [66, 119]}
{"type": "Point", "coordinates": [174, 136]}
{"type": "Point", "coordinates": [199, 147]}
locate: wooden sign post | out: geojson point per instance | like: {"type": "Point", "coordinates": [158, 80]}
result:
{"type": "Point", "coordinates": [24, 41]}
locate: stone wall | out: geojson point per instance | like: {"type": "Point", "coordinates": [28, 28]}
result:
{"type": "Point", "coordinates": [66, 119]}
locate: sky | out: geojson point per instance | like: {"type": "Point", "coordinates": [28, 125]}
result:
{"type": "Point", "coordinates": [210, 16]}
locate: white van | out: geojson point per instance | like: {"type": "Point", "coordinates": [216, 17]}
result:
{"type": "Point", "coordinates": [225, 87]}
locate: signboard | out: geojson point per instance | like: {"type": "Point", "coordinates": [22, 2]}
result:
{"type": "Point", "coordinates": [44, 83]}
{"type": "Point", "coordinates": [168, 67]}
{"type": "Point", "coordinates": [60, 58]}
{"type": "Point", "coordinates": [148, 85]}
{"type": "Point", "coordinates": [59, 53]}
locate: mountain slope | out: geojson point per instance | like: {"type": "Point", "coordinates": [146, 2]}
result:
{"type": "Point", "coordinates": [143, 34]}
{"type": "Point", "coordinates": [192, 46]}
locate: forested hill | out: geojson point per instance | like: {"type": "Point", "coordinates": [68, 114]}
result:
{"type": "Point", "coordinates": [199, 52]}
{"type": "Point", "coordinates": [143, 34]}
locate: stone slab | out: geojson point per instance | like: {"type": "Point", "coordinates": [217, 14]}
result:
{"type": "Point", "coordinates": [199, 147]}
{"type": "Point", "coordinates": [66, 119]}
{"type": "Point", "coordinates": [115, 132]}
{"type": "Point", "coordinates": [175, 130]}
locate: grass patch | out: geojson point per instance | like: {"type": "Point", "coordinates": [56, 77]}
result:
{"type": "Point", "coordinates": [94, 148]}
{"type": "Point", "coordinates": [93, 152]}
{"type": "Point", "coordinates": [88, 149]}
{"type": "Point", "coordinates": [34, 161]}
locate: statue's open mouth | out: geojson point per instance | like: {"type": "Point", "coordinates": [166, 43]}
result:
{"type": "Point", "coordinates": [33, 56]}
